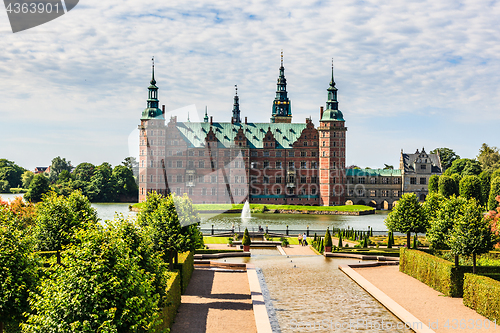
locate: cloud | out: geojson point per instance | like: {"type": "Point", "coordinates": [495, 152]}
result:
{"type": "Point", "coordinates": [395, 62]}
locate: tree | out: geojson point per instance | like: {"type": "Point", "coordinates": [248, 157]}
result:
{"type": "Point", "coordinates": [132, 164]}
{"type": "Point", "coordinates": [489, 157]}
{"type": "Point", "coordinates": [470, 187]}
{"type": "Point", "coordinates": [246, 241]}
{"type": "Point", "coordinates": [38, 187]}
{"type": "Point", "coordinates": [161, 219]}
{"type": "Point", "coordinates": [432, 204]}
{"type": "Point", "coordinates": [11, 172]}
{"type": "Point", "coordinates": [494, 192]}
{"type": "Point", "coordinates": [125, 185]}
{"type": "Point", "coordinates": [446, 155]}
{"type": "Point", "coordinates": [433, 184]}
{"type": "Point", "coordinates": [84, 172]}
{"type": "Point", "coordinates": [485, 179]}
{"type": "Point", "coordinates": [26, 178]}
{"type": "Point", "coordinates": [447, 211]}
{"type": "Point", "coordinates": [447, 186]}
{"type": "Point", "coordinates": [102, 183]}
{"type": "Point", "coordinates": [408, 216]}
{"type": "Point", "coordinates": [58, 165]}
{"type": "Point", "coordinates": [340, 239]}
{"type": "Point", "coordinates": [4, 186]}
{"type": "Point", "coordinates": [58, 218]}
{"type": "Point", "coordinates": [472, 233]}
{"type": "Point", "coordinates": [101, 289]}
{"type": "Point", "coordinates": [64, 177]}
{"type": "Point", "coordinates": [328, 239]}
{"type": "Point", "coordinates": [18, 275]}
{"type": "Point", "coordinates": [493, 217]}
{"type": "Point", "coordinates": [463, 167]}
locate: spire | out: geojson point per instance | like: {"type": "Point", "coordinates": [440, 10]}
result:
{"type": "Point", "coordinates": [152, 111]}
{"type": "Point", "coordinates": [332, 112]}
{"type": "Point", "coordinates": [282, 111]}
{"type": "Point", "coordinates": [206, 115]}
{"type": "Point", "coordinates": [236, 107]}
{"type": "Point", "coordinates": [332, 82]}
{"type": "Point", "coordinates": [188, 118]}
{"type": "Point", "coordinates": [153, 81]}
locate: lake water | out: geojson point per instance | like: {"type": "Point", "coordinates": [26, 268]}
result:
{"type": "Point", "coordinates": [107, 211]}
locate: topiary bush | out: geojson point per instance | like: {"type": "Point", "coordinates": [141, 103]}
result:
{"type": "Point", "coordinates": [481, 294]}
{"type": "Point", "coordinates": [246, 238]}
{"type": "Point", "coordinates": [328, 238]}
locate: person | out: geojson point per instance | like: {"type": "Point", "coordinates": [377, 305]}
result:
{"type": "Point", "coordinates": [300, 239]}
{"type": "Point", "coordinates": [304, 239]}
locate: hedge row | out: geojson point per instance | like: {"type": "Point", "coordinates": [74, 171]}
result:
{"type": "Point", "coordinates": [437, 273]}
{"type": "Point", "coordinates": [172, 301]}
{"type": "Point", "coordinates": [185, 266]}
{"type": "Point", "coordinates": [481, 294]}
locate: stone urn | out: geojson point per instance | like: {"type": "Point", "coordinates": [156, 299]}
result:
{"type": "Point", "coordinates": [246, 248]}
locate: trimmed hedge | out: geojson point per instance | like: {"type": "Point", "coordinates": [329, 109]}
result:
{"type": "Point", "coordinates": [172, 301]}
{"type": "Point", "coordinates": [481, 294]}
{"type": "Point", "coordinates": [437, 273]}
{"type": "Point", "coordinates": [185, 266]}
{"type": "Point", "coordinates": [212, 251]}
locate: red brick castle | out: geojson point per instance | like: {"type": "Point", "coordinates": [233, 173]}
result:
{"type": "Point", "coordinates": [279, 162]}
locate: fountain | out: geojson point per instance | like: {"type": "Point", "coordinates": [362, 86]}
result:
{"type": "Point", "coordinates": [245, 212]}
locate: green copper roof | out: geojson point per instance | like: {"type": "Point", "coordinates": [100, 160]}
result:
{"type": "Point", "coordinates": [285, 134]}
{"type": "Point", "coordinates": [332, 115]}
{"type": "Point", "coordinates": [152, 113]}
{"type": "Point", "coordinates": [373, 172]}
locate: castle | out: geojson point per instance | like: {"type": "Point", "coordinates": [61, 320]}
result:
{"type": "Point", "coordinates": [279, 162]}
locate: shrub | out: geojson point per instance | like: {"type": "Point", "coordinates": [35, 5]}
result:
{"type": "Point", "coordinates": [172, 302]}
{"type": "Point", "coordinates": [328, 238]}
{"type": "Point", "coordinates": [284, 241]}
{"type": "Point", "coordinates": [340, 239]}
{"type": "Point", "coordinates": [246, 238]}
{"type": "Point", "coordinates": [481, 294]}
{"type": "Point", "coordinates": [186, 268]}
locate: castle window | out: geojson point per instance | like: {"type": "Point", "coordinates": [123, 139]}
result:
{"type": "Point", "coordinates": [278, 153]}
{"type": "Point", "coordinates": [303, 191]}
{"type": "Point", "coordinates": [190, 164]}
{"type": "Point", "coordinates": [303, 165]}
{"type": "Point", "coordinates": [201, 179]}
{"type": "Point", "coordinates": [204, 191]}
{"type": "Point", "coordinates": [324, 143]}
{"type": "Point", "coordinates": [142, 163]}
{"type": "Point", "coordinates": [313, 154]}
{"type": "Point", "coordinates": [305, 143]}
{"type": "Point", "coordinates": [227, 153]}
{"type": "Point", "coordinates": [291, 164]}
{"type": "Point", "coordinates": [334, 143]}
{"type": "Point", "coordinates": [291, 154]}
{"type": "Point", "coordinates": [314, 180]}
{"type": "Point", "coordinates": [423, 181]}
{"type": "Point", "coordinates": [169, 153]}
{"type": "Point", "coordinates": [278, 180]}
{"type": "Point", "coordinates": [201, 164]}
{"type": "Point", "coordinates": [190, 191]}
{"type": "Point", "coordinates": [373, 180]}
{"type": "Point", "coordinates": [303, 154]}
{"type": "Point", "coordinates": [361, 180]}
{"type": "Point", "coordinates": [190, 153]}
{"type": "Point", "coordinates": [303, 180]}
{"type": "Point", "coordinates": [179, 153]}
{"type": "Point", "coordinates": [385, 180]}
{"type": "Point", "coordinates": [240, 138]}
{"type": "Point", "coordinates": [239, 144]}
{"type": "Point", "coordinates": [169, 163]}
{"type": "Point", "coordinates": [385, 193]}
{"type": "Point", "coordinates": [290, 190]}
{"type": "Point", "coordinates": [373, 193]}
{"type": "Point", "coordinates": [395, 194]}
{"type": "Point", "coordinates": [278, 191]}
{"type": "Point", "coordinates": [413, 180]}
{"type": "Point", "coordinates": [266, 164]}
{"type": "Point", "coordinates": [360, 192]}
{"type": "Point", "coordinates": [397, 180]}
{"type": "Point", "coordinates": [266, 153]}
{"type": "Point", "coordinates": [179, 164]}
{"type": "Point", "coordinates": [236, 191]}
{"type": "Point", "coordinates": [324, 154]}
{"type": "Point", "coordinates": [423, 167]}
{"type": "Point", "coordinates": [142, 178]}
{"type": "Point", "coordinates": [201, 153]}
{"type": "Point", "coordinates": [254, 154]}
{"type": "Point", "coordinates": [213, 179]}
{"type": "Point", "coordinates": [236, 178]}
{"type": "Point", "coordinates": [265, 180]}
{"type": "Point", "coordinates": [151, 164]}
{"type": "Point", "coordinates": [214, 191]}
{"type": "Point", "coordinates": [254, 165]}
{"type": "Point", "coordinates": [313, 190]}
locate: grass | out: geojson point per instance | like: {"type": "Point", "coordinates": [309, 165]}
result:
{"type": "Point", "coordinates": [258, 207]}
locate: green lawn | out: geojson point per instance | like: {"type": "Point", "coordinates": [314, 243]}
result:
{"type": "Point", "coordinates": [223, 207]}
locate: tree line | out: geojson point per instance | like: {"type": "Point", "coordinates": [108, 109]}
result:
{"type": "Point", "coordinates": [107, 276]}
{"type": "Point", "coordinates": [101, 183]}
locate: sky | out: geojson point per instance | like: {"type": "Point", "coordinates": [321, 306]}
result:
{"type": "Point", "coordinates": [410, 74]}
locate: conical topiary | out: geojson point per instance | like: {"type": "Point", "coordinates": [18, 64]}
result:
{"type": "Point", "coordinates": [340, 239]}
{"type": "Point", "coordinates": [415, 242]}
{"type": "Point", "coordinates": [328, 238]}
{"type": "Point", "coordinates": [389, 240]}
{"type": "Point", "coordinates": [246, 241]}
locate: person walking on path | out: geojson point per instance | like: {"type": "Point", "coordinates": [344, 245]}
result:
{"type": "Point", "coordinates": [304, 239]}
{"type": "Point", "coordinates": [300, 239]}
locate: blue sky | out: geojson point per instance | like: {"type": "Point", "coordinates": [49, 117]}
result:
{"type": "Point", "coordinates": [410, 74]}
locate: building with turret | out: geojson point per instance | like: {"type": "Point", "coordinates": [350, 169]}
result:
{"type": "Point", "coordinates": [279, 162]}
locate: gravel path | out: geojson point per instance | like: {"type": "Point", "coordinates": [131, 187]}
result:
{"type": "Point", "coordinates": [216, 301]}
{"type": "Point", "coordinates": [429, 306]}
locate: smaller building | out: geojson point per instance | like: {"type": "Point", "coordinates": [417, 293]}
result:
{"type": "Point", "coordinates": [416, 169]}
{"type": "Point", "coordinates": [41, 170]}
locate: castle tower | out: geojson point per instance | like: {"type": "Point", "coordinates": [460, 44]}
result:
{"type": "Point", "coordinates": [332, 140]}
{"type": "Point", "coordinates": [282, 109]}
{"type": "Point", "coordinates": [151, 143]}
{"type": "Point", "coordinates": [236, 108]}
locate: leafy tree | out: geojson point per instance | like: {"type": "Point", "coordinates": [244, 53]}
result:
{"type": "Point", "coordinates": [101, 289]}
{"type": "Point", "coordinates": [447, 186]}
{"type": "Point", "coordinates": [485, 179]}
{"type": "Point", "coordinates": [58, 218]}
{"type": "Point", "coordinates": [463, 167]}
{"type": "Point", "coordinates": [433, 184]}
{"type": "Point", "coordinates": [19, 270]}
{"type": "Point", "coordinates": [443, 220]}
{"type": "Point", "coordinates": [471, 234]}
{"type": "Point", "coordinates": [446, 155]}
{"type": "Point", "coordinates": [64, 177]}
{"type": "Point", "coordinates": [489, 157]}
{"type": "Point", "coordinates": [84, 172]}
{"type": "Point", "coordinates": [432, 204]}
{"type": "Point", "coordinates": [167, 225]}
{"type": "Point", "coordinates": [58, 165]}
{"type": "Point", "coordinates": [493, 217]}
{"type": "Point", "coordinates": [4, 186]}
{"type": "Point", "coordinates": [125, 185]}
{"type": "Point", "coordinates": [11, 172]}
{"type": "Point", "coordinates": [38, 187]}
{"type": "Point", "coordinates": [470, 187]}
{"type": "Point", "coordinates": [102, 183]}
{"type": "Point", "coordinates": [26, 178]}
{"type": "Point", "coordinates": [24, 212]}
{"type": "Point", "coordinates": [132, 164]}
{"type": "Point", "coordinates": [494, 192]}
{"type": "Point", "coordinates": [408, 216]}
